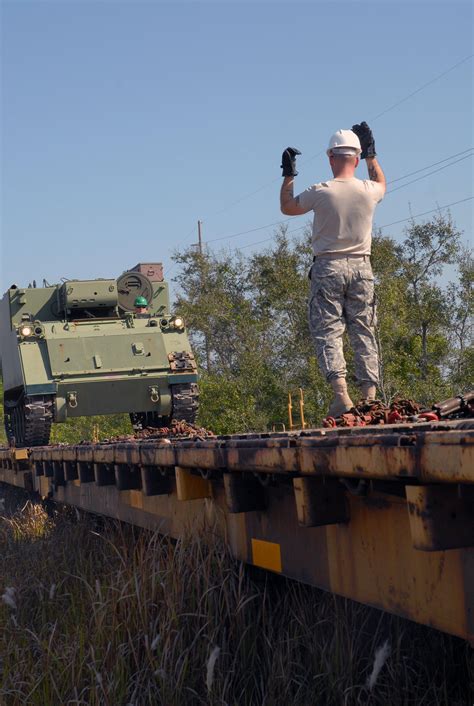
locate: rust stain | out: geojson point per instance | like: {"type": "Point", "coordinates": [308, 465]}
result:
{"type": "Point", "coordinates": [376, 502]}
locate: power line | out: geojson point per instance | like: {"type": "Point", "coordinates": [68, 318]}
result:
{"type": "Point", "coordinates": [294, 230]}
{"type": "Point", "coordinates": [192, 230]}
{"type": "Point", "coordinates": [421, 88]}
{"type": "Point", "coordinates": [245, 232]}
{"type": "Point", "coordinates": [199, 244]}
{"type": "Point", "coordinates": [429, 173]}
{"type": "Point", "coordinates": [168, 272]}
{"type": "Point", "coordinates": [417, 171]}
{"type": "Point", "coordinates": [259, 242]}
{"type": "Point", "coordinates": [247, 196]}
{"type": "Point", "coordinates": [418, 215]}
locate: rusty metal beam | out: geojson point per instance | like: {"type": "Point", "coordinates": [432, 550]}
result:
{"type": "Point", "coordinates": [441, 517]}
{"type": "Point", "coordinates": [154, 482]}
{"type": "Point", "coordinates": [191, 487]}
{"type": "Point", "coordinates": [127, 477]}
{"type": "Point", "coordinates": [320, 501]}
{"type": "Point", "coordinates": [68, 455]}
{"type": "Point", "coordinates": [20, 479]}
{"type": "Point", "coordinates": [104, 474]}
{"type": "Point", "coordinates": [243, 492]}
{"type": "Point", "coordinates": [58, 472]}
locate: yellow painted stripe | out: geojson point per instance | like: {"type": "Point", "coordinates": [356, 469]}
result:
{"type": "Point", "coordinates": [20, 454]}
{"type": "Point", "coordinates": [266, 554]}
{"type": "Point", "coordinates": [190, 487]}
{"type": "Point", "coordinates": [44, 486]}
{"type": "Point", "coordinates": [134, 498]}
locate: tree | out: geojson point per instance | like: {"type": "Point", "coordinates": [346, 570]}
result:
{"type": "Point", "coordinates": [212, 300]}
{"type": "Point", "coordinates": [426, 250]}
{"type": "Point", "coordinates": [460, 306]}
{"type": "Point", "coordinates": [423, 323]}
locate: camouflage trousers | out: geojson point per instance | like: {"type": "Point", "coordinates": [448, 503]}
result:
{"type": "Point", "coordinates": [342, 295]}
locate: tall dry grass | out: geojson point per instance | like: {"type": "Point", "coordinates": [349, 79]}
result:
{"type": "Point", "coordinates": [94, 612]}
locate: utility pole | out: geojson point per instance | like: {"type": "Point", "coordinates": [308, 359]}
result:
{"type": "Point", "coordinates": [199, 244]}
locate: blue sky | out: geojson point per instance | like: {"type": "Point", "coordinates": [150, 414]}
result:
{"type": "Point", "coordinates": [123, 123]}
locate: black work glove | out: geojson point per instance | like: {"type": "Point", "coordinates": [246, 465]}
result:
{"type": "Point", "coordinates": [288, 161]}
{"type": "Point", "coordinates": [367, 142]}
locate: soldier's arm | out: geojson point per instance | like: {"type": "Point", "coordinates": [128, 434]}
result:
{"type": "Point", "coordinates": [375, 172]}
{"type": "Point", "coordinates": [290, 205]}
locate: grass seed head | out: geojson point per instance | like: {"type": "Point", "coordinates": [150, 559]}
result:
{"type": "Point", "coordinates": [211, 663]}
{"type": "Point", "coordinates": [381, 656]}
{"type": "Point", "coordinates": [8, 597]}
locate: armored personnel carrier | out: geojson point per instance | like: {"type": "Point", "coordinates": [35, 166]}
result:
{"type": "Point", "coordinates": [87, 347]}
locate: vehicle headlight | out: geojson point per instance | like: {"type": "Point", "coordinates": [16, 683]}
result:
{"type": "Point", "coordinates": [26, 331]}
{"type": "Point", "coordinates": [178, 322]}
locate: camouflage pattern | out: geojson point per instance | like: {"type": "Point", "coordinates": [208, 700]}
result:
{"type": "Point", "coordinates": [342, 294]}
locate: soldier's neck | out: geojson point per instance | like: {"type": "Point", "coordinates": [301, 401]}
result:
{"type": "Point", "coordinates": [344, 173]}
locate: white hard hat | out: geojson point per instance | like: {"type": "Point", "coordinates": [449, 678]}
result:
{"type": "Point", "coordinates": [344, 142]}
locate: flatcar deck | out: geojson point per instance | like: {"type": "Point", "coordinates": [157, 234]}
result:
{"type": "Point", "coordinates": [382, 514]}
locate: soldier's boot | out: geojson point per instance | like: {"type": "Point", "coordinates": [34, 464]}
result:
{"type": "Point", "coordinates": [341, 402]}
{"type": "Point", "coordinates": [368, 390]}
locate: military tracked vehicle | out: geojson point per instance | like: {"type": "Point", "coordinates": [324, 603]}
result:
{"type": "Point", "coordinates": [84, 347]}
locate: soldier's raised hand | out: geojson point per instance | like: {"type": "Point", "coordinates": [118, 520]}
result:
{"type": "Point", "coordinates": [367, 142]}
{"type": "Point", "coordinates": [288, 162]}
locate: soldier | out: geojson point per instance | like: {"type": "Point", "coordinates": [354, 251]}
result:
{"type": "Point", "coordinates": [141, 306]}
{"type": "Point", "coordinates": [342, 282]}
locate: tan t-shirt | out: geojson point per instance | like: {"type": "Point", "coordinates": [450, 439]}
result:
{"type": "Point", "coordinates": [343, 213]}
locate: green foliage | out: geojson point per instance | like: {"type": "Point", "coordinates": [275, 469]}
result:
{"type": "Point", "coordinates": [225, 406]}
{"type": "Point", "coordinates": [423, 326]}
{"type": "Point", "coordinates": [78, 429]}
{"type": "Point", "coordinates": [460, 304]}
